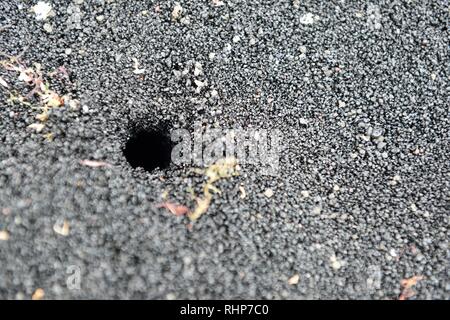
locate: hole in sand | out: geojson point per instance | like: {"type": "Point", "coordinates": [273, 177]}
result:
{"type": "Point", "coordinates": [148, 149]}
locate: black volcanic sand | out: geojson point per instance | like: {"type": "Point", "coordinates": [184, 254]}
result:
{"type": "Point", "coordinates": [361, 200]}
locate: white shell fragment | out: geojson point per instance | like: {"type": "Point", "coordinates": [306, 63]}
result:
{"type": "Point", "coordinates": [42, 10]}
{"type": "Point", "coordinates": [308, 18]}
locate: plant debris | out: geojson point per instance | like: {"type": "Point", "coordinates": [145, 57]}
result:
{"type": "Point", "coordinates": [407, 284]}
{"type": "Point", "coordinates": [176, 209]}
{"type": "Point", "coordinates": [95, 164]}
{"type": "Point", "coordinates": [47, 98]}
{"type": "Point", "coordinates": [201, 208]}
{"type": "Point", "coordinates": [222, 168]}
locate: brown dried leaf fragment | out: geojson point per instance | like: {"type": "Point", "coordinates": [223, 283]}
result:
{"type": "Point", "coordinates": [407, 284]}
{"type": "Point", "coordinates": [176, 209]}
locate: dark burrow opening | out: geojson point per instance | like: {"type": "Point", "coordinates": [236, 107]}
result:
{"type": "Point", "coordinates": [149, 149]}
